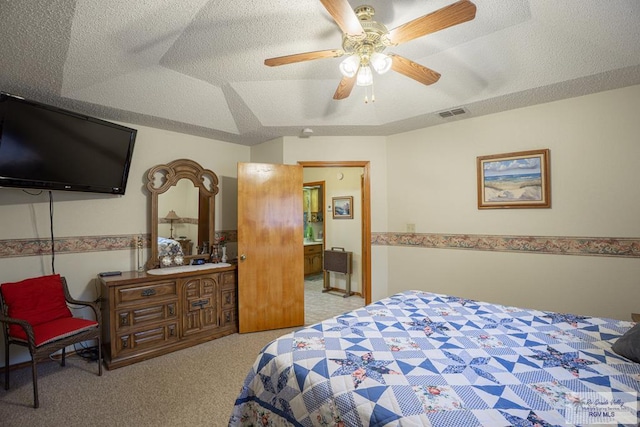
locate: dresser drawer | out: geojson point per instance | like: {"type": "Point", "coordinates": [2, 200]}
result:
{"type": "Point", "coordinates": [312, 249]}
{"type": "Point", "coordinates": [146, 314]}
{"type": "Point", "coordinates": [228, 298]}
{"type": "Point", "coordinates": [146, 338]}
{"type": "Point", "coordinates": [147, 292]}
{"type": "Point", "coordinates": [228, 318]}
{"type": "Point", "coordinates": [228, 279]}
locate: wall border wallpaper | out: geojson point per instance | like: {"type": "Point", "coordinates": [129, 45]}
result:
{"type": "Point", "coordinates": [66, 245]}
{"type": "Point", "coordinates": [585, 246]}
{"type": "Point", "coordinates": [554, 245]}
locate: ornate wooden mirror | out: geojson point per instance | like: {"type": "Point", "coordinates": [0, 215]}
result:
{"type": "Point", "coordinates": [182, 212]}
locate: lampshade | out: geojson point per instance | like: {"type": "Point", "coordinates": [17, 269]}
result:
{"type": "Point", "coordinates": [349, 67]}
{"type": "Point", "coordinates": [365, 77]}
{"type": "Point", "coordinates": [381, 62]}
{"type": "Point", "coordinates": [172, 215]}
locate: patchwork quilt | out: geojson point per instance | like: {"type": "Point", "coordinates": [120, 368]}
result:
{"type": "Point", "coordinates": [424, 359]}
{"type": "Point", "coordinates": [168, 247]}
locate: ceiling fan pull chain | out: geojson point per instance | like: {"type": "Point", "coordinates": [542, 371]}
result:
{"type": "Point", "coordinates": [366, 94]}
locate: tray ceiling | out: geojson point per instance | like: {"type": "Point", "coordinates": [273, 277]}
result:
{"type": "Point", "coordinates": [197, 66]}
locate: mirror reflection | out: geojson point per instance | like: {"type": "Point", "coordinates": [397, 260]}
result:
{"type": "Point", "coordinates": [178, 221]}
{"type": "Point", "coordinates": [183, 205]}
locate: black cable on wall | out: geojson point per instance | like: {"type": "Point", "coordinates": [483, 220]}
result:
{"type": "Point", "coordinates": [53, 246]}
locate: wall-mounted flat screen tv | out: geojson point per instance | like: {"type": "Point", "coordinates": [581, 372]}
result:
{"type": "Point", "coordinates": [46, 147]}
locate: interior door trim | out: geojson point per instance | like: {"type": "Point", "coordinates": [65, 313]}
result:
{"type": "Point", "coordinates": [366, 215]}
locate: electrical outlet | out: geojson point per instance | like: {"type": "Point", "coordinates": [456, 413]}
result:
{"type": "Point", "coordinates": [411, 228]}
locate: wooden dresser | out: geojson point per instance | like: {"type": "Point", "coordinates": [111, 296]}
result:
{"type": "Point", "coordinates": [145, 315]}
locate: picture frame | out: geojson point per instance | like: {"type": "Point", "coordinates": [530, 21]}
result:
{"type": "Point", "coordinates": [514, 180]}
{"type": "Point", "coordinates": [342, 207]}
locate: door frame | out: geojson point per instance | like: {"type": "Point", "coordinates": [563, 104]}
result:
{"type": "Point", "coordinates": [366, 215]}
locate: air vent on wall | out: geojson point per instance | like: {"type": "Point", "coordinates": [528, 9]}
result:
{"type": "Point", "coordinates": [453, 112]}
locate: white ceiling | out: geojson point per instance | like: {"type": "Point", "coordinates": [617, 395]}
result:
{"type": "Point", "coordinates": [196, 66]}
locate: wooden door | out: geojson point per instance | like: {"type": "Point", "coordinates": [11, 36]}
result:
{"type": "Point", "coordinates": [270, 247]}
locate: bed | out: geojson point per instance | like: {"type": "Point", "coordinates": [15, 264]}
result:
{"type": "Point", "coordinates": [425, 359]}
{"type": "Point", "coordinates": [168, 247]}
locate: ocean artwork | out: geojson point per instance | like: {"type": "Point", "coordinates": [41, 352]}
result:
{"type": "Point", "coordinates": [513, 180]}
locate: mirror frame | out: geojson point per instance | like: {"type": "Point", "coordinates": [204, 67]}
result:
{"type": "Point", "coordinates": [204, 179]}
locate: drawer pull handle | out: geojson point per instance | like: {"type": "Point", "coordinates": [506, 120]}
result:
{"type": "Point", "coordinates": [228, 298]}
{"type": "Point", "coordinates": [227, 317]}
{"type": "Point", "coordinates": [172, 310]}
{"type": "Point", "coordinates": [125, 342]}
{"type": "Point", "coordinates": [124, 319]}
{"type": "Point", "coordinates": [200, 303]}
{"type": "Point", "coordinates": [148, 292]}
{"type": "Point", "coordinates": [172, 331]}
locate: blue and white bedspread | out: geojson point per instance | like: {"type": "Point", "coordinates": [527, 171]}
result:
{"type": "Point", "coordinates": [423, 359]}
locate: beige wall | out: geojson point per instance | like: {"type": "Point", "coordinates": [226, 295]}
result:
{"type": "Point", "coordinates": [595, 149]}
{"type": "Point", "coordinates": [268, 152]}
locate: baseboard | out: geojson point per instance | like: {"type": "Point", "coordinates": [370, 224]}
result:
{"type": "Point", "coordinates": [342, 291]}
{"type": "Point", "coordinates": [91, 351]}
{"type": "Point", "coordinates": [16, 366]}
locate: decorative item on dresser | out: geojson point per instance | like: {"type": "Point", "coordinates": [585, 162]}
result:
{"type": "Point", "coordinates": [147, 315]}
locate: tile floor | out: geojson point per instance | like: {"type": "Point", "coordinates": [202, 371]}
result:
{"type": "Point", "coordinates": [319, 306]}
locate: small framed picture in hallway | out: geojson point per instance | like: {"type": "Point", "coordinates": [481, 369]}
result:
{"type": "Point", "coordinates": [342, 207]}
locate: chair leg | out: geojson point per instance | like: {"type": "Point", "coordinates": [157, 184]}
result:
{"type": "Point", "coordinates": [64, 349]}
{"type": "Point", "coordinates": [6, 366]}
{"type": "Point", "coordinates": [34, 373]}
{"type": "Point", "coordinates": [99, 357]}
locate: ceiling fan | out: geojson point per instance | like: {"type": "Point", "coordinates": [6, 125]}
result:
{"type": "Point", "coordinates": [364, 41]}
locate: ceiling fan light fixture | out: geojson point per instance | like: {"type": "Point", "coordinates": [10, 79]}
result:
{"type": "Point", "coordinates": [381, 62]}
{"type": "Point", "coordinates": [349, 67]}
{"type": "Point", "coordinates": [365, 77]}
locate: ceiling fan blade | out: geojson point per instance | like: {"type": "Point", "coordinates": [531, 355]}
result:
{"type": "Point", "coordinates": [413, 70]}
{"type": "Point", "coordinates": [456, 13]}
{"type": "Point", "coordinates": [345, 17]}
{"type": "Point", "coordinates": [345, 87]}
{"type": "Point", "coordinates": [300, 57]}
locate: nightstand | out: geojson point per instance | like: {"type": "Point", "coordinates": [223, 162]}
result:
{"type": "Point", "coordinates": [187, 246]}
{"type": "Point", "coordinates": [635, 317]}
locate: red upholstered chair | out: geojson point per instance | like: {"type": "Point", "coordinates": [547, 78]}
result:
{"type": "Point", "coordinates": [35, 315]}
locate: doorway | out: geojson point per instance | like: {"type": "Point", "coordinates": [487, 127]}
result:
{"type": "Point", "coordinates": [365, 189]}
{"type": "Point", "coordinates": [314, 226]}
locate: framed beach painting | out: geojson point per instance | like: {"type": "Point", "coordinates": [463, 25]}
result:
{"type": "Point", "coordinates": [514, 180]}
{"type": "Point", "coordinates": [342, 207]}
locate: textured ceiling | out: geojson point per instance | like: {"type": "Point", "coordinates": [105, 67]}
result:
{"type": "Point", "coordinates": [196, 66]}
